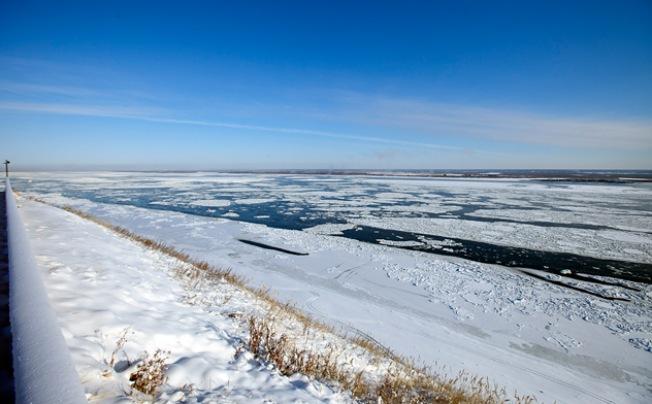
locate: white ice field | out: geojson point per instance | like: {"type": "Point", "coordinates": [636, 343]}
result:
{"type": "Point", "coordinates": [452, 313]}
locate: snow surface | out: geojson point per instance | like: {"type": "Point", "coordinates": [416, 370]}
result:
{"type": "Point", "coordinates": [211, 203]}
{"type": "Point", "coordinates": [103, 287]}
{"type": "Point", "coordinates": [617, 218]}
{"type": "Point", "coordinates": [522, 333]}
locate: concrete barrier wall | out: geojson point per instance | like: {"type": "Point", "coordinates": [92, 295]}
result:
{"type": "Point", "coordinates": [43, 369]}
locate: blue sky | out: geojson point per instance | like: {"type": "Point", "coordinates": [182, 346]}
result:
{"type": "Point", "coordinates": [236, 85]}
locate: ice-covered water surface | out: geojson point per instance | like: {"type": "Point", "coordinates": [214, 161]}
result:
{"type": "Point", "coordinates": [606, 227]}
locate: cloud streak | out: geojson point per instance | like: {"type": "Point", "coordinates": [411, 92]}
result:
{"type": "Point", "coordinates": [403, 116]}
{"type": "Point", "coordinates": [145, 114]}
{"type": "Point", "coordinates": [26, 88]}
{"type": "Point", "coordinates": [438, 119]}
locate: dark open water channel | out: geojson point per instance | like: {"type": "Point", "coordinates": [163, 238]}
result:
{"type": "Point", "coordinates": [487, 253]}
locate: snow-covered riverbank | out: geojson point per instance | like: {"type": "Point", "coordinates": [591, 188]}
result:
{"type": "Point", "coordinates": [522, 333]}
{"type": "Point", "coordinates": [105, 289]}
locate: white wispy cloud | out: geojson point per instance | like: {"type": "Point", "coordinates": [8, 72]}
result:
{"type": "Point", "coordinates": [440, 119]}
{"type": "Point", "coordinates": [79, 110]}
{"type": "Point", "coordinates": [77, 93]}
{"type": "Point", "coordinates": [146, 114]}
{"type": "Point", "coordinates": [405, 117]}
{"type": "Point", "coordinates": [299, 131]}
{"type": "Point", "coordinates": [29, 88]}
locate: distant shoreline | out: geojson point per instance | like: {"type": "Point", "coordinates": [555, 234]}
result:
{"type": "Point", "coordinates": [551, 175]}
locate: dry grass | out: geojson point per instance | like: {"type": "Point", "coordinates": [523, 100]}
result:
{"type": "Point", "coordinates": [399, 385]}
{"type": "Point", "coordinates": [265, 344]}
{"type": "Point", "coordinates": [404, 382]}
{"type": "Point", "coordinates": [119, 346]}
{"type": "Point", "coordinates": [150, 375]}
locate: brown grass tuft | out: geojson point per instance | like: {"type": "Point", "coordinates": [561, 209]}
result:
{"type": "Point", "coordinates": [266, 345]}
{"type": "Point", "coordinates": [150, 374]}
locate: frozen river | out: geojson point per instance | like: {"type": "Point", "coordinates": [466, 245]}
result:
{"type": "Point", "coordinates": [543, 286]}
{"type": "Point", "coordinates": [413, 213]}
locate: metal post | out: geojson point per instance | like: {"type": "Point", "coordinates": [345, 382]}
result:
{"type": "Point", "coordinates": [7, 168]}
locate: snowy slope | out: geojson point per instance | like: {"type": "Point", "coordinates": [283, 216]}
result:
{"type": "Point", "coordinates": [524, 334]}
{"type": "Point", "coordinates": [104, 287]}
